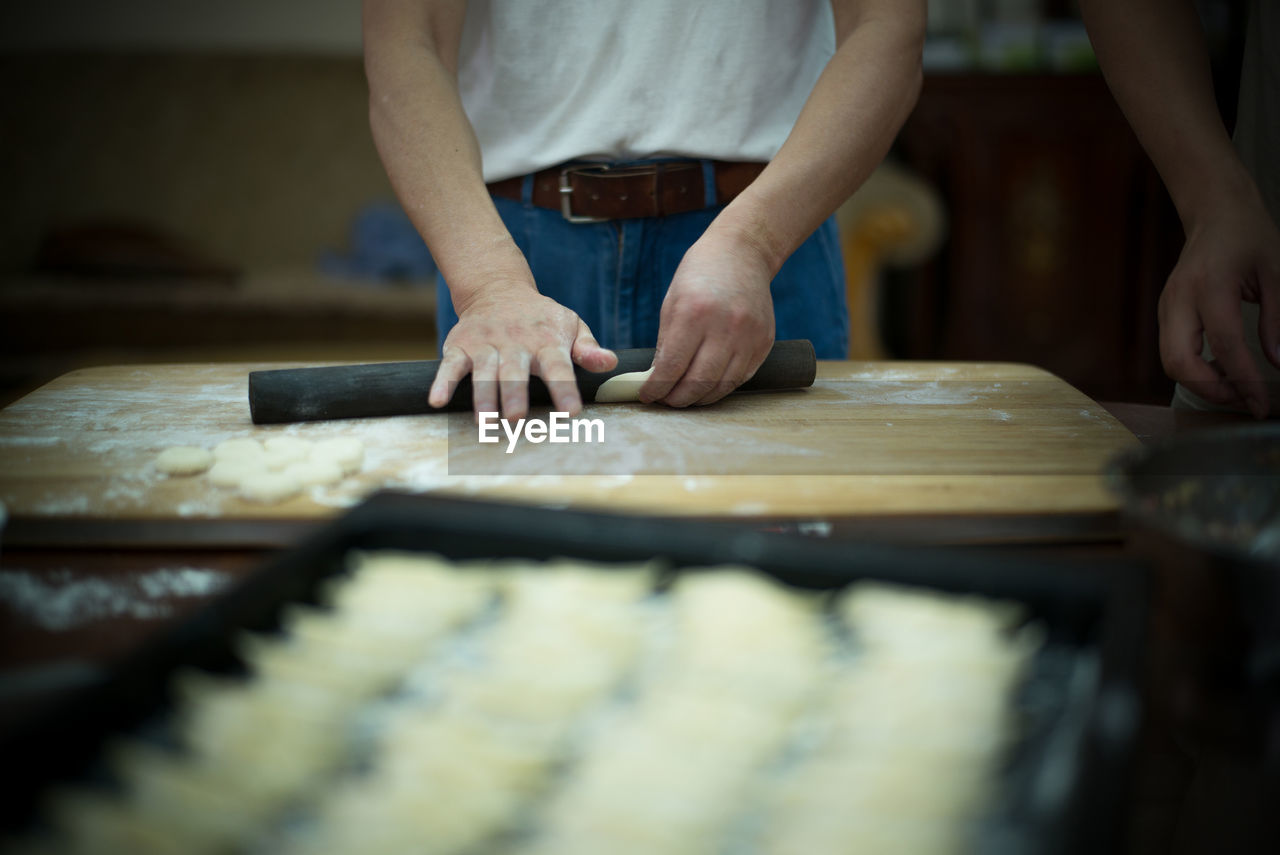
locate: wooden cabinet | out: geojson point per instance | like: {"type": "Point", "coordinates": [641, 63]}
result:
{"type": "Point", "coordinates": [1060, 236]}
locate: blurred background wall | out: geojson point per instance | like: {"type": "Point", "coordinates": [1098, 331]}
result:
{"type": "Point", "coordinates": [260, 159]}
{"type": "Point", "coordinates": [269, 26]}
{"type": "Point", "coordinates": [240, 124]}
{"type": "Point", "coordinates": [196, 180]}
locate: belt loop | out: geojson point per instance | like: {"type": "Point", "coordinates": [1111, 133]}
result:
{"type": "Point", "coordinates": [658, 205]}
{"type": "Point", "coordinates": [526, 190]}
{"type": "Point", "coordinates": [709, 183]}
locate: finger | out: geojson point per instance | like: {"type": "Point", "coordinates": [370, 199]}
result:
{"type": "Point", "coordinates": [759, 358]}
{"type": "Point", "coordinates": [734, 376]}
{"type": "Point", "coordinates": [671, 360]}
{"type": "Point", "coordinates": [739, 371]}
{"type": "Point", "coordinates": [484, 381]}
{"type": "Point", "coordinates": [742, 371]}
{"type": "Point", "coordinates": [1224, 330]}
{"type": "Point", "coordinates": [588, 353]}
{"type": "Point", "coordinates": [1181, 339]}
{"type": "Point", "coordinates": [513, 381]}
{"type": "Point", "coordinates": [453, 367]}
{"type": "Point", "coordinates": [705, 377]}
{"type": "Point", "coordinates": [556, 370]}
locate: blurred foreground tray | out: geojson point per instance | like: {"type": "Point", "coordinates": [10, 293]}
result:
{"type": "Point", "coordinates": [1065, 783]}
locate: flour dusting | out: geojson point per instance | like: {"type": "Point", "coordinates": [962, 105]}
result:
{"type": "Point", "coordinates": [181, 582]}
{"type": "Point", "coordinates": [60, 601]}
{"type": "Point", "coordinates": [29, 440]}
{"type": "Point", "coordinates": [909, 393]}
{"type": "Point", "coordinates": [76, 503]}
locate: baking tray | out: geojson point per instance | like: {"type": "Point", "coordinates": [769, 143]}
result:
{"type": "Point", "coordinates": [1217, 490]}
{"type": "Point", "coordinates": [1065, 785]}
{"type": "Point", "coordinates": [1204, 510]}
{"type": "Point", "coordinates": [1208, 505]}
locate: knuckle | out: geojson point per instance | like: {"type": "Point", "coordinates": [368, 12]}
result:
{"type": "Point", "coordinates": [1179, 285]}
{"type": "Point", "coordinates": [697, 306]}
{"type": "Point", "coordinates": [1224, 345]}
{"type": "Point", "coordinates": [515, 358]}
{"type": "Point", "coordinates": [1180, 277]}
{"type": "Point", "coordinates": [1177, 361]}
{"type": "Point", "coordinates": [1176, 365]}
{"type": "Point", "coordinates": [553, 353]}
{"type": "Point", "coordinates": [740, 318]}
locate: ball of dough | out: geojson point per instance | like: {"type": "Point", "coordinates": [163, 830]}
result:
{"type": "Point", "coordinates": [346, 452]}
{"type": "Point", "coordinates": [184, 460]}
{"type": "Point", "coordinates": [269, 488]}
{"type": "Point", "coordinates": [232, 471]}
{"type": "Point", "coordinates": [284, 450]}
{"type": "Point", "coordinates": [314, 473]}
{"type": "Point", "coordinates": [622, 387]}
{"type": "Point", "coordinates": [239, 448]}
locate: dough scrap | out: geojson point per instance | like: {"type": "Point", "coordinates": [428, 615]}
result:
{"type": "Point", "coordinates": [273, 471]}
{"type": "Point", "coordinates": [239, 448]}
{"type": "Point", "coordinates": [314, 473]}
{"type": "Point", "coordinates": [623, 387]}
{"type": "Point", "coordinates": [346, 452]}
{"type": "Point", "coordinates": [284, 450]}
{"type": "Point", "coordinates": [184, 460]}
{"type": "Point", "coordinates": [269, 488]}
{"type": "Point", "coordinates": [230, 472]}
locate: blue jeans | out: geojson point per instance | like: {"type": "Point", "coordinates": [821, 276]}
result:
{"type": "Point", "coordinates": [615, 275]}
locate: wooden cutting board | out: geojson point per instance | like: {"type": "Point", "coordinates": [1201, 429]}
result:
{"type": "Point", "coordinates": [870, 441]}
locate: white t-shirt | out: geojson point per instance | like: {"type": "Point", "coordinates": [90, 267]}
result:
{"type": "Point", "coordinates": [547, 81]}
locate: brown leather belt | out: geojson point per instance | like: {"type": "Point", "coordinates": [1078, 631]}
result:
{"type": "Point", "coordinates": [586, 193]}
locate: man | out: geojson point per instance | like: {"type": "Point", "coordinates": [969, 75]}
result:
{"type": "Point", "coordinates": [679, 99]}
{"type": "Point", "coordinates": [1225, 290]}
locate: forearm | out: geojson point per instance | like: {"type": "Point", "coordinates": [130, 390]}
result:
{"type": "Point", "coordinates": [1153, 56]}
{"type": "Point", "coordinates": [848, 123]}
{"type": "Point", "coordinates": [428, 147]}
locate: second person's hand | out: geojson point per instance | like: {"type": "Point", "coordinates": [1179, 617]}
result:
{"type": "Point", "coordinates": [1232, 254]}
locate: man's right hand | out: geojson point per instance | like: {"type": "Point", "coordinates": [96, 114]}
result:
{"type": "Point", "coordinates": [506, 330]}
{"type": "Point", "coordinates": [505, 335]}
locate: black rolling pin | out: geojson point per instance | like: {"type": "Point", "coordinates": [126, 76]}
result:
{"type": "Point", "coordinates": [400, 388]}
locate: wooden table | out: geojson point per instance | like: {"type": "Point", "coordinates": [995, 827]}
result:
{"type": "Point", "coordinates": [943, 451]}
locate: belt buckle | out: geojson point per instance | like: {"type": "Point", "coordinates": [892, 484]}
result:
{"type": "Point", "coordinates": [566, 191]}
